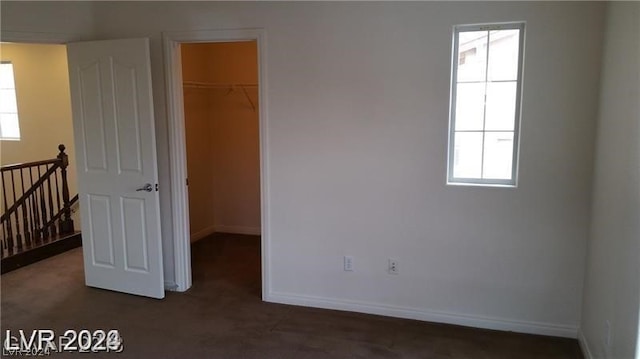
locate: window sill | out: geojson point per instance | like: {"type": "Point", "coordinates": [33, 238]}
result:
{"type": "Point", "coordinates": [474, 184]}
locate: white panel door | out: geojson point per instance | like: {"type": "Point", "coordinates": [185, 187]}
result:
{"type": "Point", "coordinates": [114, 133]}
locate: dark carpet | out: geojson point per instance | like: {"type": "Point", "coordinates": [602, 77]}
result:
{"type": "Point", "coordinates": [222, 316]}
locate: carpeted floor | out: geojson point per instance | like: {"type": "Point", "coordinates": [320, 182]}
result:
{"type": "Point", "coordinates": [222, 316]}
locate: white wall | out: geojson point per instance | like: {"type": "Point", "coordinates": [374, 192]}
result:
{"type": "Point", "coordinates": [357, 109]}
{"type": "Point", "coordinates": [53, 20]}
{"type": "Point", "coordinates": [357, 125]}
{"type": "Point", "coordinates": [612, 286]}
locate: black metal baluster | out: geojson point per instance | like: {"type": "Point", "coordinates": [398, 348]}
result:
{"type": "Point", "coordinates": [43, 208]}
{"type": "Point", "coordinates": [4, 223]}
{"type": "Point", "coordinates": [9, 238]}
{"type": "Point", "coordinates": [34, 209]}
{"type": "Point", "coordinates": [51, 209]}
{"type": "Point", "coordinates": [25, 223]}
{"type": "Point", "coordinates": [15, 213]}
{"type": "Point", "coordinates": [26, 219]}
{"type": "Point", "coordinates": [3, 242]}
{"type": "Point", "coordinates": [17, 231]}
{"type": "Point", "coordinates": [29, 214]}
{"type": "Point", "coordinates": [57, 190]}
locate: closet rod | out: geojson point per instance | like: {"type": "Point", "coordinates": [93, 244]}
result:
{"type": "Point", "coordinates": [231, 87]}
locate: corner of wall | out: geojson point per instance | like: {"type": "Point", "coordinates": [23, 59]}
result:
{"type": "Point", "coordinates": [610, 290]}
{"type": "Point", "coordinates": [584, 345]}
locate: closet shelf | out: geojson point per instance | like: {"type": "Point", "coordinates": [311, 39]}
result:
{"type": "Point", "coordinates": [230, 86]}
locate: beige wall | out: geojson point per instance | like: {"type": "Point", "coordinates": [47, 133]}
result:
{"type": "Point", "coordinates": [44, 105]}
{"type": "Point", "coordinates": [222, 138]}
{"type": "Point", "coordinates": [199, 162]}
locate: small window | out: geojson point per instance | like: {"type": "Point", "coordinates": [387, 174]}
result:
{"type": "Point", "coordinates": [9, 126]}
{"type": "Point", "coordinates": [484, 115]}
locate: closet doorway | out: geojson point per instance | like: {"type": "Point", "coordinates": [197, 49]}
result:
{"type": "Point", "coordinates": [221, 118]}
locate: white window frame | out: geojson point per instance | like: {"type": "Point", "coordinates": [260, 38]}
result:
{"type": "Point", "coordinates": [451, 180]}
{"type": "Point", "coordinates": [6, 138]}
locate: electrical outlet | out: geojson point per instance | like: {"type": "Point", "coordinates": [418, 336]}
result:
{"type": "Point", "coordinates": [348, 263]}
{"type": "Point", "coordinates": [393, 266]}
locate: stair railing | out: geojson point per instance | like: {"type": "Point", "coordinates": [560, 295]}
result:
{"type": "Point", "coordinates": [36, 203]}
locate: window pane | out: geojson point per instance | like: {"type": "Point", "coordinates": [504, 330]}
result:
{"type": "Point", "coordinates": [498, 153]}
{"type": "Point", "coordinates": [470, 106]}
{"type": "Point", "coordinates": [501, 106]}
{"type": "Point", "coordinates": [503, 55]}
{"type": "Point", "coordinates": [6, 76]}
{"type": "Point", "coordinates": [472, 56]}
{"type": "Point", "coordinates": [467, 155]}
{"type": "Point", "coordinates": [9, 126]}
{"type": "Point", "coordinates": [8, 101]}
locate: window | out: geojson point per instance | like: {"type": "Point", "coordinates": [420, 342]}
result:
{"type": "Point", "coordinates": [9, 127]}
{"type": "Point", "coordinates": [485, 104]}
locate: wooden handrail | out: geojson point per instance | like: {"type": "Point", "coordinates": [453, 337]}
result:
{"type": "Point", "coordinates": [37, 209]}
{"type": "Point", "coordinates": [17, 166]}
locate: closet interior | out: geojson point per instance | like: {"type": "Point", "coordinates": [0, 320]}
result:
{"type": "Point", "coordinates": [220, 88]}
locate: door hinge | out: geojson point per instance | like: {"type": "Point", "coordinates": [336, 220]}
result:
{"type": "Point", "coordinates": [156, 187]}
{"type": "Point", "coordinates": [186, 180]}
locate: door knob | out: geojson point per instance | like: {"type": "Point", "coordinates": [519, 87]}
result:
{"type": "Point", "coordinates": [147, 187]}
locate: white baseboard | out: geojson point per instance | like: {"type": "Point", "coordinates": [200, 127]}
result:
{"type": "Point", "coordinates": [584, 345]}
{"type": "Point", "coordinates": [557, 330]}
{"type": "Point", "coordinates": [202, 233]}
{"type": "Point", "coordinates": [255, 231]}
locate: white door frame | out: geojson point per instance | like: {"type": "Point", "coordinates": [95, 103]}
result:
{"type": "Point", "coordinates": [177, 144]}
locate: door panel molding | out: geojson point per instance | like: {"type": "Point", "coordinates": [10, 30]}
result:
{"type": "Point", "coordinates": [92, 161]}
{"type": "Point", "coordinates": [126, 95]}
{"type": "Point", "coordinates": [136, 257]}
{"type": "Point", "coordinates": [100, 233]}
{"type": "Point", "coordinates": [113, 117]}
